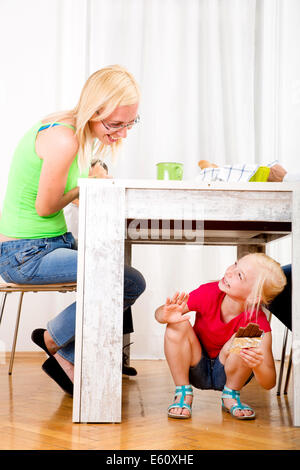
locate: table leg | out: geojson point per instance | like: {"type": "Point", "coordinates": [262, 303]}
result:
{"type": "Point", "coordinates": [296, 304]}
{"type": "Point", "coordinates": [99, 317]}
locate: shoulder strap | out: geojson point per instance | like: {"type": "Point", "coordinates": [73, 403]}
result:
{"type": "Point", "coordinates": [46, 126]}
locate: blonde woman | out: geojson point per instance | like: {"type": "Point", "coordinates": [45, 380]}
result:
{"type": "Point", "coordinates": [35, 247]}
{"type": "Point", "coordinates": [201, 356]}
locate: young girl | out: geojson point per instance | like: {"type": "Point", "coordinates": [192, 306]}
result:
{"type": "Point", "coordinates": [200, 355]}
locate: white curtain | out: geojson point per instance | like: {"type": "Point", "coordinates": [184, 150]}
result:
{"type": "Point", "coordinates": [219, 79]}
{"type": "Point", "coordinates": [194, 61]}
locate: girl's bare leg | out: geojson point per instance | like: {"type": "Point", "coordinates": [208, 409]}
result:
{"type": "Point", "coordinates": [237, 374]}
{"type": "Point", "coordinates": [182, 350]}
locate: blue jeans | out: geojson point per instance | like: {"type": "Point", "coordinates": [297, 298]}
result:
{"type": "Point", "coordinates": [54, 260]}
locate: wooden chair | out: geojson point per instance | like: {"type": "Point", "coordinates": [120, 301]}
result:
{"type": "Point", "coordinates": [288, 372]}
{"type": "Point", "coordinates": [7, 288]}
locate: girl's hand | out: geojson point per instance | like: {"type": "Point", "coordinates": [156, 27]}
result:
{"type": "Point", "coordinates": [253, 357]}
{"type": "Point", "coordinates": [175, 308]}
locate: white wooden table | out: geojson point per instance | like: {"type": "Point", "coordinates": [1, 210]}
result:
{"type": "Point", "coordinates": [248, 215]}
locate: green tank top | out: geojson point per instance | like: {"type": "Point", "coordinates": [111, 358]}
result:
{"type": "Point", "coordinates": [19, 218]}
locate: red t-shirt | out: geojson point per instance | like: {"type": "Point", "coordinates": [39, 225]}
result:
{"type": "Point", "coordinates": [212, 332]}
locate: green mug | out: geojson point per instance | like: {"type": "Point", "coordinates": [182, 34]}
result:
{"type": "Point", "coordinates": [169, 171]}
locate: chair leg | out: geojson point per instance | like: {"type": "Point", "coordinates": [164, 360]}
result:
{"type": "Point", "coordinates": [282, 360]}
{"type": "Point", "coordinates": [126, 349]}
{"type": "Point", "coordinates": [2, 305]}
{"type": "Point", "coordinates": [288, 373]}
{"type": "Point", "coordinates": [12, 354]}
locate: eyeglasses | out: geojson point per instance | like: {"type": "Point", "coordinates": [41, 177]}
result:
{"type": "Point", "coordinates": [116, 127]}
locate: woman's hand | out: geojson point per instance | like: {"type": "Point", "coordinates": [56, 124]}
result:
{"type": "Point", "coordinates": [253, 357]}
{"type": "Point", "coordinates": [175, 308]}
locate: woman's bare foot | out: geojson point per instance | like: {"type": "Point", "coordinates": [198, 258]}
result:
{"type": "Point", "coordinates": [66, 365]}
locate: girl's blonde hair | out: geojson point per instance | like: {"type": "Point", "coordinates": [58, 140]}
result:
{"type": "Point", "coordinates": [103, 92]}
{"type": "Point", "coordinates": [270, 281]}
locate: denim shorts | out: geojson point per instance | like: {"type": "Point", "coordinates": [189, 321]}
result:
{"type": "Point", "coordinates": [208, 374]}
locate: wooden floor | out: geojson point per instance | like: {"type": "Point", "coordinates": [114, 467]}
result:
{"type": "Point", "coordinates": [36, 414]}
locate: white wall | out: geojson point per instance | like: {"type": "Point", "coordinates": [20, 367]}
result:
{"type": "Point", "coordinates": [29, 64]}
{"type": "Point", "coordinates": [290, 85]}
{"type": "Point", "coordinates": [43, 68]}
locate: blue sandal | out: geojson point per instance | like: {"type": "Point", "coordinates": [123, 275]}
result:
{"type": "Point", "coordinates": [182, 391]}
{"type": "Point", "coordinates": [235, 394]}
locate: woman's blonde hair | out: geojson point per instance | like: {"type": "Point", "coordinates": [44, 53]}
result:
{"type": "Point", "coordinates": [270, 281]}
{"type": "Point", "coordinates": [103, 92]}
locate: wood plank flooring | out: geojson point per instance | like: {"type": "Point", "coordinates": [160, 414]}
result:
{"type": "Point", "coordinates": [36, 414]}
